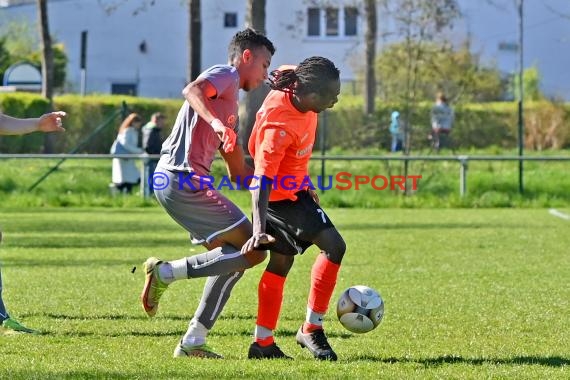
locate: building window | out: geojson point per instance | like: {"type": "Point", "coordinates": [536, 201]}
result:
{"type": "Point", "coordinates": [230, 20]}
{"type": "Point", "coordinates": [314, 17]}
{"type": "Point", "coordinates": [332, 22]}
{"type": "Point", "coordinates": [350, 17]}
{"type": "Point", "coordinates": [124, 89]}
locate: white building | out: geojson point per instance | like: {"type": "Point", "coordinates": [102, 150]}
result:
{"type": "Point", "coordinates": [143, 49]}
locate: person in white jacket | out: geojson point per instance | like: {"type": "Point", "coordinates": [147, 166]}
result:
{"type": "Point", "coordinates": [125, 171]}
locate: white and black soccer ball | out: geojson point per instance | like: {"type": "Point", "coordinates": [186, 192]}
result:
{"type": "Point", "coordinates": [360, 309]}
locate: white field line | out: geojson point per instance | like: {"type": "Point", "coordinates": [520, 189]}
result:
{"type": "Point", "coordinates": [559, 214]}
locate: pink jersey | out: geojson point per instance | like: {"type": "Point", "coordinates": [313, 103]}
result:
{"type": "Point", "coordinates": [192, 145]}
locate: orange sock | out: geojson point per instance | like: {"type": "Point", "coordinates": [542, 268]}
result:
{"type": "Point", "coordinates": [323, 281]}
{"type": "Point", "coordinates": [264, 342]}
{"type": "Point", "coordinates": [270, 299]}
{"type": "Point", "coordinates": [309, 327]}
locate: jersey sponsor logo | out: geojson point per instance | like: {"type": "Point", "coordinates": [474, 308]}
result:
{"type": "Point", "coordinates": [231, 120]}
{"type": "Point", "coordinates": [306, 150]}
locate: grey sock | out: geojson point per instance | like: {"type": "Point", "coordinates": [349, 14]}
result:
{"type": "Point", "coordinates": [218, 261]}
{"type": "Point", "coordinates": [216, 293]}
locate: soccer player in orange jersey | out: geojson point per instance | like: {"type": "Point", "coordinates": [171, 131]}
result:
{"type": "Point", "coordinates": [286, 208]}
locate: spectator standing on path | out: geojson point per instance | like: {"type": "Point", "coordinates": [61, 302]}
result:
{"type": "Point", "coordinates": [125, 172]}
{"type": "Point", "coordinates": [396, 132]}
{"type": "Point", "coordinates": [442, 117]}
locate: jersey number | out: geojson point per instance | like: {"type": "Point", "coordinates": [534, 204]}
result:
{"type": "Point", "coordinates": [322, 215]}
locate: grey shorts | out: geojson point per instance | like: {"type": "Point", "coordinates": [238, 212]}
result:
{"type": "Point", "coordinates": [205, 213]}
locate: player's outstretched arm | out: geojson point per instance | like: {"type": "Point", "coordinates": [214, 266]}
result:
{"type": "Point", "coordinates": [49, 122]}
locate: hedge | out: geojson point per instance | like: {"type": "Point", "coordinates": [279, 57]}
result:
{"type": "Point", "coordinates": [476, 125]}
{"type": "Point", "coordinates": [84, 115]}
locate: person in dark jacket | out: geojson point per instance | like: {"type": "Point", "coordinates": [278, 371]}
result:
{"type": "Point", "coordinates": [152, 143]}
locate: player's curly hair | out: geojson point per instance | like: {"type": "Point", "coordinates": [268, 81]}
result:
{"type": "Point", "coordinates": [312, 75]}
{"type": "Point", "coordinates": [248, 39]}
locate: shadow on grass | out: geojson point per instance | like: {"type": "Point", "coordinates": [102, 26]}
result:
{"type": "Point", "coordinates": [94, 374]}
{"type": "Point", "coordinates": [425, 226]}
{"type": "Point", "coordinates": [83, 261]}
{"type": "Point", "coordinates": [549, 361]}
{"type": "Point", "coordinates": [105, 317]}
{"type": "Point", "coordinates": [142, 316]}
{"type": "Point", "coordinates": [95, 241]}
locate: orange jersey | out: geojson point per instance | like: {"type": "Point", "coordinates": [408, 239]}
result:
{"type": "Point", "coordinates": [281, 144]}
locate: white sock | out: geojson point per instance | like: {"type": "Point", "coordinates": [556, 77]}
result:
{"type": "Point", "coordinates": [314, 318]}
{"type": "Point", "coordinates": [165, 273]}
{"type": "Point", "coordinates": [195, 335]}
{"type": "Point", "coordinates": [262, 332]}
{"type": "Point", "coordinates": [179, 269]}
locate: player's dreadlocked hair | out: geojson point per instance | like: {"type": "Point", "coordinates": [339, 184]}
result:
{"type": "Point", "coordinates": [312, 75]}
{"type": "Point", "coordinates": [248, 39]}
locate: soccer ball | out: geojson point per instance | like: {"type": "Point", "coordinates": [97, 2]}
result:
{"type": "Point", "coordinates": [360, 309]}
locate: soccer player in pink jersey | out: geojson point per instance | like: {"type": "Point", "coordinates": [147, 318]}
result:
{"type": "Point", "coordinates": [207, 123]}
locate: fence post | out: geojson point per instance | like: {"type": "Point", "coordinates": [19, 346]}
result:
{"type": "Point", "coordinates": [463, 160]}
{"type": "Point", "coordinates": [144, 187]}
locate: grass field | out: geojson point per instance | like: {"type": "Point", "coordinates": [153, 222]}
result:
{"type": "Point", "coordinates": [469, 294]}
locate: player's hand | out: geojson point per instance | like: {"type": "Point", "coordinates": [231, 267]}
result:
{"type": "Point", "coordinates": [314, 195]}
{"type": "Point", "coordinates": [51, 122]}
{"type": "Point", "coordinates": [255, 241]}
{"type": "Point", "coordinates": [226, 135]}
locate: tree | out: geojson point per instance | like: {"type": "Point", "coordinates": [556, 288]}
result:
{"type": "Point", "coordinates": [20, 42]}
{"type": "Point", "coordinates": [194, 40]}
{"type": "Point", "coordinates": [531, 84]}
{"type": "Point", "coordinates": [47, 51]}
{"type": "Point", "coordinates": [370, 43]}
{"type": "Point", "coordinates": [4, 58]}
{"type": "Point", "coordinates": [47, 65]}
{"type": "Point", "coordinates": [255, 19]}
{"type": "Point", "coordinates": [59, 64]}
{"type": "Point", "coordinates": [458, 72]}
{"type": "Point", "coordinates": [417, 22]}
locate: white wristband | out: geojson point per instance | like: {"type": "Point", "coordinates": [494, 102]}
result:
{"type": "Point", "coordinates": [217, 123]}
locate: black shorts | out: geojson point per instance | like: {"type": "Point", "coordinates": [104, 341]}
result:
{"type": "Point", "coordinates": [295, 224]}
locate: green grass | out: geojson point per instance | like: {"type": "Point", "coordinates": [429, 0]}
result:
{"type": "Point", "coordinates": [469, 294]}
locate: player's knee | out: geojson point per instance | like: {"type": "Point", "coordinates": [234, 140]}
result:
{"type": "Point", "coordinates": [280, 264]}
{"type": "Point", "coordinates": [336, 253]}
{"type": "Point", "coordinates": [255, 257]}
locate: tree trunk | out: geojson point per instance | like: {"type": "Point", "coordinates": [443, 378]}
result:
{"type": "Point", "coordinates": [255, 19]}
{"type": "Point", "coordinates": [195, 41]}
{"type": "Point", "coordinates": [370, 72]}
{"type": "Point", "coordinates": [47, 66]}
